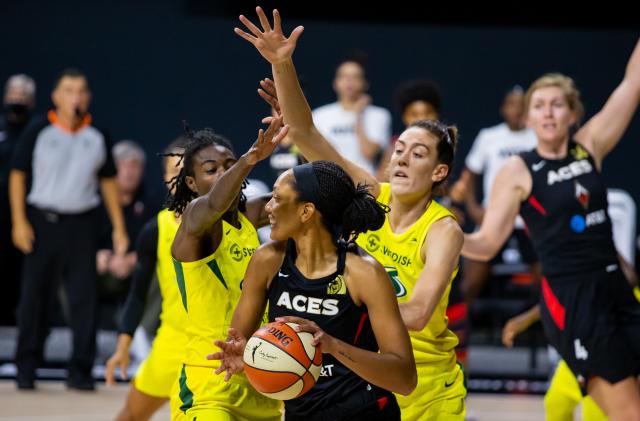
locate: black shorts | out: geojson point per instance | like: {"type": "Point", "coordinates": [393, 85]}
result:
{"type": "Point", "coordinates": [372, 404]}
{"type": "Point", "coordinates": [593, 320]}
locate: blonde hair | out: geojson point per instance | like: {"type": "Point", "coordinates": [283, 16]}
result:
{"type": "Point", "coordinates": [568, 87]}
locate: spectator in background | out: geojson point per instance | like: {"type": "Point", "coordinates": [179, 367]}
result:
{"type": "Point", "coordinates": [19, 100]}
{"type": "Point", "coordinates": [67, 159]}
{"type": "Point", "coordinates": [358, 130]}
{"type": "Point", "coordinates": [415, 100]}
{"type": "Point", "coordinates": [488, 153]}
{"type": "Point", "coordinates": [115, 269]}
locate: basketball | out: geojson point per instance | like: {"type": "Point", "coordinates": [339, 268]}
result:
{"type": "Point", "coordinates": [280, 362]}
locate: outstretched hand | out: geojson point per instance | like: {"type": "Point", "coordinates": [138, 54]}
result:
{"type": "Point", "coordinates": [267, 141]}
{"type": "Point", "coordinates": [231, 355]}
{"type": "Point", "coordinates": [270, 42]}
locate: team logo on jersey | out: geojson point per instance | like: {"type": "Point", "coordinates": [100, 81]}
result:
{"type": "Point", "coordinates": [538, 165]}
{"type": "Point", "coordinates": [580, 223]}
{"type": "Point", "coordinates": [310, 305]}
{"type": "Point", "coordinates": [238, 253]}
{"type": "Point", "coordinates": [582, 194]}
{"type": "Point", "coordinates": [373, 243]}
{"type": "Point", "coordinates": [398, 286]}
{"type": "Point", "coordinates": [337, 286]}
{"type": "Point", "coordinates": [573, 170]}
{"type": "Point", "coordinates": [579, 152]}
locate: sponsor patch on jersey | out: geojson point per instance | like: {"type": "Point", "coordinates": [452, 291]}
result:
{"type": "Point", "coordinates": [398, 286]}
{"type": "Point", "coordinates": [396, 257]}
{"type": "Point", "coordinates": [373, 243]}
{"type": "Point", "coordinates": [238, 253]}
{"type": "Point", "coordinates": [580, 223]}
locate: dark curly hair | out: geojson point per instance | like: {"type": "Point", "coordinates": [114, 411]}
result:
{"type": "Point", "coordinates": [417, 90]}
{"type": "Point", "coordinates": [196, 141]}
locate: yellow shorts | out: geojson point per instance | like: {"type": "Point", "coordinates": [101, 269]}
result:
{"type": "Point", "coordinates": [563, 396]}
{"type": "Point", "coordinates": [438, 396]}
{"type": "Point", "coordinates": [159, 371]}
{"type": "Point", "coordinates": [203, 395]}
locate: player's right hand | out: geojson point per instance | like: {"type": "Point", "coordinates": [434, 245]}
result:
{"type": "Point", "coordinates": [231, 355]}
{"type": "Point", "coordinates": [270, 42]}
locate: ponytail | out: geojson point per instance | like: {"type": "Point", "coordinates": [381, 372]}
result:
{"type": "Point", "coordinates": [363, 214]}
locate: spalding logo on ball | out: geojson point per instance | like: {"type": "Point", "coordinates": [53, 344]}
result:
{"type": "Point", "coordinates": [280, 362]}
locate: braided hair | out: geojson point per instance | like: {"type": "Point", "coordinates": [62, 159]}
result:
{"type": "Point", "coordinates": [347, 210]}
{"type": "Point", "coordinates": [196, 141]}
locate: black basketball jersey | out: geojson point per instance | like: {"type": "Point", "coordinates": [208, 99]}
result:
{"type": "Point", "coordinates": [566, 213]}
{"type": "Point", "coordinates": [327, 302]}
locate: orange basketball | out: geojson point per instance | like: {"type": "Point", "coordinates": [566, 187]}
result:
{"type": "Point", "coordinates": [280, 362]}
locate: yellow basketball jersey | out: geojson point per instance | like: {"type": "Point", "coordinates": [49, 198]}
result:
{"type": "Point", "coordinates": [172, 314]}
{"type": "Point", "coordinates": [210, 289]}
{"type": "Point", "coordinates": [400, 255]}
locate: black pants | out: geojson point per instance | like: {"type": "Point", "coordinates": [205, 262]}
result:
{"type": "Point", "coordinates": [64, 248]}
{"type": "Point", "coordinates": [11, 264]}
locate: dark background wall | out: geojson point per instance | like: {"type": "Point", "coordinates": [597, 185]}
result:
{"type": "Point", "coordinates": [152, 64]}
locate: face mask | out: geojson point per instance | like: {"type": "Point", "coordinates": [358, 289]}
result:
{"type": "Point", "coordinates": [17, 113]}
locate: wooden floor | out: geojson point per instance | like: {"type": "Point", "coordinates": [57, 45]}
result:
{"type": "Point", "coordinates": [53, 402]}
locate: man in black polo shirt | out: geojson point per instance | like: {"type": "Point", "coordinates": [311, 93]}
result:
{"type": "Point", "coordinates": [54, 225]}
{"type": "Point", "coordinates": [19, 100]}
